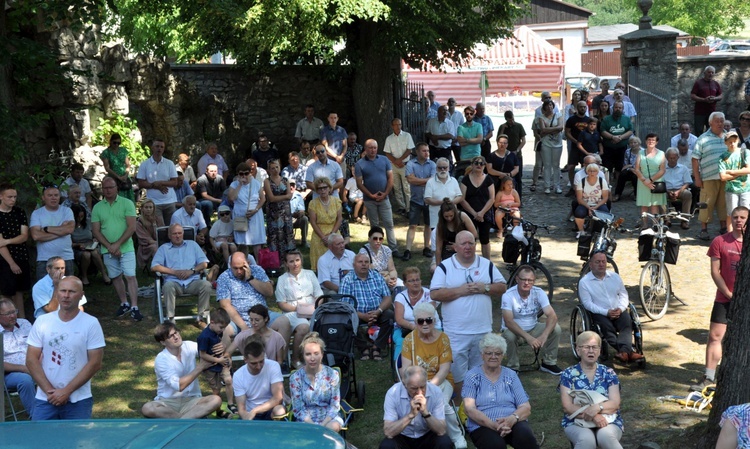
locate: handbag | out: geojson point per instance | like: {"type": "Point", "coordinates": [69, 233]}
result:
{"type": "Point", "coordinates": [268, 259]}
{"type": "Point", "coordinates": [125, 185]}
{"type": "Point", "coordinates": [584, 399]}
{"type": "Point", "coordinates": [659, 186]}
{"type": "Point", "coordinates": [240, 224]}
{"type": "Point", "coordinates": [305, 310]}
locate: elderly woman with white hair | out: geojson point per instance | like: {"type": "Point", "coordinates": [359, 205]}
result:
{"type": "Point", "coordinates": [599, 424]}
{"type": "Point", "coordinates": [495, 401]}
{"type": "Point", "coordinates": [430, 348]}
{"type": "Point", "coordinates": [592, 194]}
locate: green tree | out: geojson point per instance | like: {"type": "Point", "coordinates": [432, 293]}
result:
{"type": "Point", "coordinates": [366, 36]}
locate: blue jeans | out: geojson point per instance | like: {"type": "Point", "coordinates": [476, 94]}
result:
{"type": "Point", "coordinates": [82, 409]}
{"type": "Point", "coordinates": [24, 385]}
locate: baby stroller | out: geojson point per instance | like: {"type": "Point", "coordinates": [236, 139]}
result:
{"type": "Point", "coordinates": [337, 322]}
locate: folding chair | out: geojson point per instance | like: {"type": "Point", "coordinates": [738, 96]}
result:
{"type": "Point", "coordinates": [14, 412]}
{"type": "Point", "coordinates": [162, 237]}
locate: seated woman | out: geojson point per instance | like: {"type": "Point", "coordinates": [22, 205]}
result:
{"type": "Point", "coordinates": [381, 259]}
{"type": "Point", "coordinates": [296, 292]}
{"type": "Point", "coordinates": [315, 387]}
{"type": "Point", "coordinates": [430, 348]}
{"type": "Point", "coordinates": [274, 343]}
{"type": "Point", "coordinates": [495, 401]}
{"type": "Point", "coordinates": [451, 221]}
{"type": "Point", "coordinates": [83, 251]}
{"type": "Point", "coordinates": [145, 231]}
{"type": "Point", "coordinates": [592, 194]}
{"type": "Point", "coordinates": [404, 305]}
{"type": "Point", "coordinates": [508, 198]}
{"type": "Point", "coordinates": [602, 423]}
{"type": "Point", "coordinates": [735, 427]}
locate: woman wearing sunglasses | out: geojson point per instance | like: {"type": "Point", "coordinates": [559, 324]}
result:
{"type": "Point", "coordinates": [404, 305]}
{"type": "Point", "coordinates": [430, 348]}
{"type": "Point", "coordinates": [248, 196]}
{"type": "Point", "coordinates": [478, 192]}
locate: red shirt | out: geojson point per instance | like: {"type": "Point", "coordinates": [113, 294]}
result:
{"type": "Point", "coordinates": [704, 89]}
{"type": "Point", "coordinates": [728, 250]}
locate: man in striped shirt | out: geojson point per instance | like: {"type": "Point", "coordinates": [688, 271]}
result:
{"type": "Point", "coordinates": [706, 153]}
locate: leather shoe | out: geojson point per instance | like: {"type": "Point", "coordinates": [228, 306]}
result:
{"type": "Point", "coordinates": [622, 357]}
{"type": "Point", "coordinates": [634, 356]}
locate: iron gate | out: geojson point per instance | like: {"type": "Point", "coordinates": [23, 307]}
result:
{"type": "Point", "coordinates": [411, 107]}
{"type": "Point", "coordinates": [651, 100]}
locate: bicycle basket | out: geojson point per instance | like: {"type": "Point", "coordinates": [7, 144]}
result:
{"type": "Point", "coordinates": [645, 245]}
{"type": "Point", "coordinates": [672, 248]}
{"type": "Point", "coordinates": [584, 245]}
{"type": "Point", "coordinates": [511, 249]}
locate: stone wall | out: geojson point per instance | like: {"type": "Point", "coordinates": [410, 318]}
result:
{"type": "Point", "coordinates": [731, 72]}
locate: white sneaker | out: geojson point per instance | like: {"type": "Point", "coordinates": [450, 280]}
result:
{"type": "Point", "coordinates": [460, 444]}
{"type": "Point", "coordinates": [558, 190]}
{"type": "Point", "coordinates": [578, 235]}
{"type": "Point", "coordinates": [547, 191]}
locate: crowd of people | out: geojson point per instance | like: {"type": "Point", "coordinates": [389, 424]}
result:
{"type": "Point", "coordinates": [452, 184]}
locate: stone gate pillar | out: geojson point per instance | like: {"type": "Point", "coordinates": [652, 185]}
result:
{"type": "Point", "coordinates": [649, 67]}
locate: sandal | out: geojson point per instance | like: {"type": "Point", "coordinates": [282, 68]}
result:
{"type": "Point", "coordinates": [233, 409]}
{"type": "Point", "coordinates": [365, 355]}
{"type": "Point", "coordinates": [376, 355]}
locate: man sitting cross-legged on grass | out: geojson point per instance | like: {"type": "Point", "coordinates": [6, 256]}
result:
{"type": "Point", "coordinates": [211, 336]}
{"type": "Point", "coordinates": [178, 394]}
{"type": "Point", "coordinates": [258, 386]}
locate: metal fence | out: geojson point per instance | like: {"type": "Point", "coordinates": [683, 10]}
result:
{"type": "Point", "coordinates": [652, 103]}
{"type": "Point", "coordinates": [410, 106]}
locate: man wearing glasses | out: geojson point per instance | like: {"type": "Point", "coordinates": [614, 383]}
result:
{"type": "Point", "coordinates": [51, 227]}
{"type": "Point", "coordinates": [178, 393]}
{"type": "Point", "coordinates": [521, 306]}
{"type": "Point", "coordinates": [15, 332]}
{"type": "Point", "coordinates": [470, 136]}
{"type": "Point", "coordinates": [603, 293]}
{"type": "Point", "coordinates": [324, 168]}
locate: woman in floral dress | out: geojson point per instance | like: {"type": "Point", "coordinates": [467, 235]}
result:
{"type": "Point", "coordinates": [280, 225]}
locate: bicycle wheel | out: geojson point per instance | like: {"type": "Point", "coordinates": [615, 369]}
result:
{"type": "Point", "coordinates": [543, 279]}
{"type": "Point", "coordinates": [579, 322]}
{"type": "Point", "coordinates": [587, 267]}
{"type": "Point", "coordinates": [655, 289]}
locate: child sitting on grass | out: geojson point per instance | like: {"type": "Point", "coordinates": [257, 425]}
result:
{"type": "Point", "coordinates": [222, 233]}
{"type": "Point", "coordinates": [207, 340]}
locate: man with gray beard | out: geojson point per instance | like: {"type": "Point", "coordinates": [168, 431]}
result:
{"type": "Point", "coordinates": [439, 187]}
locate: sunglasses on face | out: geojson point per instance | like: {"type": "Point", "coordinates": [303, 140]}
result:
{"type": "Point", "coordinates": [320, 151]}
{"type": "Point", "coordinates": [442, 168]}
{"type": "Point", "coordinates": [224, 214]}
{"type": "Point", "coordinates": [377, 239]}
{"type": "Point", "coordinates": [478, 163]}
{"type": "Point", "coordinates": [243, 173]}
{"type": "Point", "coordinates": [422, 321]}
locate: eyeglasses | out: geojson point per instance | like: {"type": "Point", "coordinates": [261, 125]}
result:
{"type": "Point", "coordinates": [173, 335]}
{"type": "Point", "coordinates": [745, 119]}
{"type": "Point", "coordinates": [322, 188]}
{"type": "Point", "coordinates": [320, 151]}
{"type": "Point", "coordinates": [377, 239]}
{"type": "Point", "coordinates": [589, 348]}
{"type": "Point", "coordinates": [442, 168]}
{"type": "Point", "coordinates": [422, 321]}
{"type": "Point", "coordinates": [243, 173]}
{"type": "Point", "coordinates": [478, 163]}
{"type": "Point", "coordinates": [12, 312]}
{"type": "Point", "coordinates": [224, 214]}
{"type": "Point", "coordinates": [526, 280]}
{"type": "Point", "coordinates": [493, 354]}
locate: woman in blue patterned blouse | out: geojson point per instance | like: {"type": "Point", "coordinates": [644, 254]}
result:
{"type": "Point", "coordinates": [315, 388]}
{"type": "Point", "coordinates": [602, 421]}
{"type": "Point", "coordinates": [495, 401]}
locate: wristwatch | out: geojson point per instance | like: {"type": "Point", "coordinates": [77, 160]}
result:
{"type": "Point", "coordinates": [251, 277]}
{"type": "Point", "coordinates": [518, 419]}
{"type": "Point", "coordinates": [45, 229]}
{"type": "Point", "coordinates": [601, 408]}
{"type": "Point", "coordinates": [193, 270]}
{"type": "Point", "coordinates": [486, 288]}
{"type": "Point", "coordinates": [428, 415]}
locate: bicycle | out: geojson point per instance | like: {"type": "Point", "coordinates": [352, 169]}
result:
{"type": "Point", "coordinates": [657, 248]}
{"type": "Point", "coordinates": [603, 240]}
{"type": "Point", "coordinates": [531, 253]}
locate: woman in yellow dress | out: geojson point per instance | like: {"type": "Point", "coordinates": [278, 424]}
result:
{"type": "Point", "coordinates": [325, 218]}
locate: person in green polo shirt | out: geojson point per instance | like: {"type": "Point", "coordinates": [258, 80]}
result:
{"type": "Point", "coordinates": [113, 225]}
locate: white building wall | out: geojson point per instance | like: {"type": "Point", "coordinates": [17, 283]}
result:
{"type": "Point", "coordinates": [573, 35]}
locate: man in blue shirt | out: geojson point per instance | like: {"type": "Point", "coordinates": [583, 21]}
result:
{"type": "Point", "coordinates": [418, 172]}
{"type": "Point", "coordinates": [487, 130]}
{"type": "Point", "coordinates": [334, 139]}
{"type": "Point", "coordinates": [181, 262]}
{"type": "Point", "coordinates": [375, 179]}
{"type": "Point", "coordinates": [373, 305]}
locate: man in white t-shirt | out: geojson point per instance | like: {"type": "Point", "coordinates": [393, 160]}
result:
{"type": "Point", "coordinates": [51, 227]}
{"type": "Point", "coordinates": [66, 348]}
{"type": "Point", "coordinates": [465, 284]}
{"type": "Point", "coordinates": [398, 148]}
{"type": "Point", "coordinates": [259, 385]}
{"type": "Point", "coordinates": [158, 175]}
{"type": "Point", "coordinates": [521, 306]}
{"type": "Point", "coordinates": [178, 393]}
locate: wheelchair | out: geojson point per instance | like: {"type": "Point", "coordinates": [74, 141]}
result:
{"type": "Point", "coordinates": [581, 321]}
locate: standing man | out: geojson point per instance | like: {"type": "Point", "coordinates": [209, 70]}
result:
{"type": "Point", "coordinates": [324, 167]}
{"type": "Point", "coordinates": [516, 141]}
{"type": "Point", "coordinates": [158, 176]}
{"type": "Point", "coordinates": [297, 172]}
{"type": "Point", "coordinates": [604, 86]}
{"type": "Point", "coordinates": [418, 172]}
{"type": "Point", "coordinates": [465, 284]}
{"type": "Point", "coordinates": [264, 152]}
{"type": "Point", "coordinates": [178, 393]}
{"type": "Point", "coordinates": [15, 333]}
{"type": "Point", "coordinates": [65, 350]}
{"type": "Point", "coordinates": [706, 154]}
{"type": "Point", "coordinates": [470, 136]}
{"type": "Point", "coordinates": [458, 119]}
{"type": "Point", "coordinates": [616, 129]}
{"type": "Point", "coordinates": [685, 133]}
{"type": "Point", "coordinates": [414, 415]}
{"type": "Point", "coordinates": [14, 254]}
{"type": "Point", "coordinates": [441, 133]}
{"type": "Point", "coordinates": [113, 225]}
{"type": "Point", "coordinates": [353, 154]}
{"type": "Point", "coordinates": [538, 164]}
{"type": "Point", "coordinates": [521, 306]}
{"type": "Point", "coordinates": [209, 190]}
{"type": "Point", "coordinates": [432, 105]}
{"type": "Point", "coordinates": [334, 140]}
{"type": "Point", "coordinates": [398, 147]}
{"type": "Point", "coordinates": [375, 179]}
{"type": "Point", "coordinates": [373, 305]}
{"type": "Point", "coordinates": [182, 261]}
{"type": "Point", "coordinates": [725, 252]}
{"type": "Point", "coordinates": [308, 129]}
{"type": "Point", "coordinates": [51, 228]}
{"type": "Point", "coordinates": [573, 127]}
{"type": "Point", "coordinates": [183, 162]}
{"type": "Point", "coordinates": [334, 264]}
{"type": "Point", "coordinates": [487, 130]}
{"type": "Point", "coordinates": [76, 178]}
{"type": "Point", "coordinates": [603, 293]}
{"type": "Point", "coordinates": [706, 93]}
{"type": "Point", "coordinates": [439, 187]}
{"type": "Point", "coordinates": [212, 156]}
